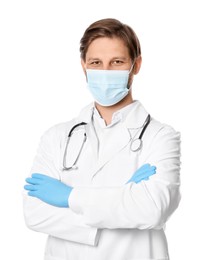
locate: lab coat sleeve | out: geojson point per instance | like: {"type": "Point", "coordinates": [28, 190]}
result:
{"type": "Point", "coordinates": [146, 205]}
{"type": "Point", "coordinates": [41, 217]}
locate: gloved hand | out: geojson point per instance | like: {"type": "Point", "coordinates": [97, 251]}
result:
{"type": "Point", "coordinates": [49, 190]}
{"type": "Point", "coordinates": [143, 173]}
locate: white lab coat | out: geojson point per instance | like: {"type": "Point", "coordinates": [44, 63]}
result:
{"type": "Point", "coordinates": [107, 218]}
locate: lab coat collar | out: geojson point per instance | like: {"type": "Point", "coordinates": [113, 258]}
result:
{"type": "Point", "coordinates": [117, 116]}
{"type": "Point", "coordinates": [135, 118]}
{"type": "Point", "coordinates": [86, 114]}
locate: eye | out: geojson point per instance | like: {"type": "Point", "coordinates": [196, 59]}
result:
{"type": "Point", "coordinates": [95, 63]}
{"type": "Point", "coordinates": [117, 62]}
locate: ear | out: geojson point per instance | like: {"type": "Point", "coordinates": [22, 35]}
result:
{"type": "Point", "coordinates": [138, 63]}
{"type": "Point", "coordinates": [83, 66]}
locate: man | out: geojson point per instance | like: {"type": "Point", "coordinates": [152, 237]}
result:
{"type": "Point", "coordinates": [104, 184]}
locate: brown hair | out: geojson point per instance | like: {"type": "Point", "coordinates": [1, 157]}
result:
{"type": "Point", "coordinates": [111, 28]}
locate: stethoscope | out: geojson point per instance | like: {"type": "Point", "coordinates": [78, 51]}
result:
{"type": "Point", "coordinates": [136, 144]}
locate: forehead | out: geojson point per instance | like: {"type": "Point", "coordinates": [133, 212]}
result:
{"type": "Point", "coordinates": [107, 47]}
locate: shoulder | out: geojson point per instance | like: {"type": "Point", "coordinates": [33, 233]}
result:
{"type": "Point", "coordinates": [61, 130]}
{"type": "Point", "coordinates": [161, 136]}
{"type": "Point", "coordinates": [161, 141]}
{"type": "Point", "coordinates": [157, 128]}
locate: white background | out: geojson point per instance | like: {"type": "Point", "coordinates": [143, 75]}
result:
{"type": "Point", "coordinates": [42, 84]}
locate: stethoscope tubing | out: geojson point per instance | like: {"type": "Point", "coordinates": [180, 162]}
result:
{"type": "Point", "coordinates": [147, 121]}
{"type": "Point", "coordinates": [65, 168]}
{"type": "Point", "coordinates": [139, 139]}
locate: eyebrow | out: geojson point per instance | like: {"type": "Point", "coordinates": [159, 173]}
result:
{"type": "Point", "coordinates": [113, 58]}
{"type": "Point", "coordinates": [93, 59]}
{"type": "Point", "coordinates": [119, 58]}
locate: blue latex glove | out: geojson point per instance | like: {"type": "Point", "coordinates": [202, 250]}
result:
{"type": "Point", "coordinates": [49, 190]}
{"type": "Point", "coordinates": [143, 173]}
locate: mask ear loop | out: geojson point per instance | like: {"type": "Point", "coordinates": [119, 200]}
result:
{"type": "Point", "coordinates": [129, 87]}
{"type": "Point", "coordinates": [131, 68]}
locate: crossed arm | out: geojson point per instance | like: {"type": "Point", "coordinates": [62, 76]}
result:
{"type": "Point", "coordinates": [52, 191]}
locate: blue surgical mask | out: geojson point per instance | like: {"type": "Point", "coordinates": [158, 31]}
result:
{"type": "Point", "coordinates": [108, 87]}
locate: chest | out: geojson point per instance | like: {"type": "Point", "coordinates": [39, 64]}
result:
{"type": "Point", "coordinates": [105, 159]}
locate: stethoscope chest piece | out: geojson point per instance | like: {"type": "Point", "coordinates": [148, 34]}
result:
{"type": "Point", "coordinates": [136, 145]}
